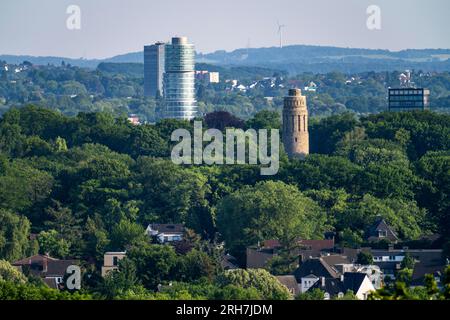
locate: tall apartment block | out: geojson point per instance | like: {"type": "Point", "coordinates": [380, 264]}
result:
{"type": "Point", "coordinates": [154, 65]}
{"type": "Point", "coordinates": [295, 125]}
{"type": "Point", "coordinates": [179, 79]}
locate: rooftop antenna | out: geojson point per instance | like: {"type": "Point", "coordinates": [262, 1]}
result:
{"type": "Point", "coordinates": [280, 32]}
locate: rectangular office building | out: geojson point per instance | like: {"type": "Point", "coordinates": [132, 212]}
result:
{"type": "Point", "coordinates": [407, 99]}
{"type": "Point", "coordinates": [154, 62]}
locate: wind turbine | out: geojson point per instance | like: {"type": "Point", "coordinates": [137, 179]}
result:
{"type": "Point", "coordinates": [280, 32]}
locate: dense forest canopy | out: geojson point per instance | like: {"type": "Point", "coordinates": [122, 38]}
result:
{"type": "Point", "coordinates": [91, 183]}
{"type": "Point", "coordinates": [93, 166]}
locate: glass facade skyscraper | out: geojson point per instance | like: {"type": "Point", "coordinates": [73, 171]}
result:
{"type": "Point", "coordinates": [179, 80]}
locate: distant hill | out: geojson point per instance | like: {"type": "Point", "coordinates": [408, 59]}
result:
{"type": "Point", "coordinates": [84, 63]}
{"type": "Point", "coordinates": [133, 57]}
{"type": "Point", "coordinates": [293, 59]}
{"type": "Point", "coordinates": [128, 68]}
{"type": "Point", "coordinates": [321, 59]}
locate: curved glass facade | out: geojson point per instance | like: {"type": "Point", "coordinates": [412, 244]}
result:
{"type": "Point", "coordinates": [179, 80]}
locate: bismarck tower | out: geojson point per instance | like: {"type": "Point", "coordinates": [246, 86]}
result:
{"type": "Point", "coordinates": [295, 125]}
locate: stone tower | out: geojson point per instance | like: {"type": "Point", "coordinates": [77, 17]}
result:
{"type": "Point", "coordinates": [295, 125]}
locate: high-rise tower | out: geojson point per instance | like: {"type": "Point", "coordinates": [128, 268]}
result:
{"type": "Point", "coordinates": [179, 80]}
{"type": "Point", "coordinates": [295, 125]}
{"type": "Point", "coordinates": [154, 69]}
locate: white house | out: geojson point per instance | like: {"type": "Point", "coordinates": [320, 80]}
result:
{"type": "Point", "coordinates": [358, 283]}
{"type": "Point", "coordinates": [307, 282]}
{"type": "Point", "coordinates": [165, 233]}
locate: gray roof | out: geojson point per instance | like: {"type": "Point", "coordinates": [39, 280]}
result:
{"type": "Point", "coordinates": [58, 268]}
{"type": "Point", "coordinates": [290, 282]}
{"type": "Point", "coordinates": [332, 286]}
{"type": "Point", "coordinates": [336, 259]}
{"type": "Point", "coordinates": [168, 228]}
{"type": "Point", "coordinates": [317, 267]}
{"type": "Point", "coordinates": [353, 281]}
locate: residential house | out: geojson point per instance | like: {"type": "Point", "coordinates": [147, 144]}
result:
{"type": "Point", "coordinates": [111, 261]}
{"type": "Point", "coordinates": [374, 274]}
{"type": "Point", "coordinates": [289, 282]}
{"type": "Point", "coordinates": [228, 262]}
{"type": "Point", "coordinates": [382, 231]}
{"type": "Point", "coordinates": [358, 283]}
{"type": "Point", "coordinates": [257, 257]}
{"type": "Point", "coordinates": [134, 119]}
{"type": "Point", "coordinates": [50, 270]}
{"type": "Point", "coordinates": [165, 233]}
{"type": "Point", "coordinates": [311, 87]}
{"type": "Point", "coordinates": [428, 261]}
{"type": "Point", "coordinates": [311, 270]}
{"type": "Point", "coordinates": [390, 260]}
{"type": "Point", "coordinates": [334, 267]}
{"type": "Point", "coordinates": [346, 264]}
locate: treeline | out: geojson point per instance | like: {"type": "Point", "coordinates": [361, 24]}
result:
{"type": "Point", "coordinates": [117, 88]}
{"type": "Point", "coordinates": [92, 183]}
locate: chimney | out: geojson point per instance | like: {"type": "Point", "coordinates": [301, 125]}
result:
{"type": "Point", "coordinates": [322, 279]}
{"type": "Point", "coordinates": [45, 264]}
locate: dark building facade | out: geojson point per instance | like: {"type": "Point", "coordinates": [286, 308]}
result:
{"type": "Point", "coordinates": [154, 67]}
{"type": "Point", "coordinates": [408, 99]}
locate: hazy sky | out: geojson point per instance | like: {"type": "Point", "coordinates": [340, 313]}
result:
{"type": "Point", "coordinates": [111, 27]}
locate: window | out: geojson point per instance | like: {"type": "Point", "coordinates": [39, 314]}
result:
{"type": "Point", "coordinates": [115, 261]}
{"type": "Point", "coordinates": [382, 233]}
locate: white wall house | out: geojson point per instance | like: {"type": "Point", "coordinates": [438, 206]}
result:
{"type": "Point", "coordinates": [307, 282]}
{"type": "Point", "coordinates": [365, 289]}
{"type": "Point", "coordinates": [165, 233]}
